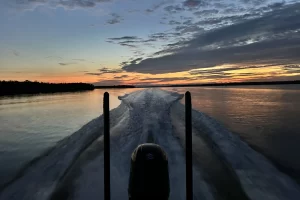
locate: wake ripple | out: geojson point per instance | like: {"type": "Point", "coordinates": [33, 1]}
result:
{"type": "Point", "coordinates": [74, 168]}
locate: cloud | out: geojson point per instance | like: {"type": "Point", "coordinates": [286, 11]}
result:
{"type": "Point", "coordinates": [136, 60]}
{"type": "Point", "coordinates": [270, 39]}
{"type": "Point", "coordinates": [130, 40]}
{"type": "Point", "coordinates": [236, 72]}
{"type": "Point", "coordinates": [15, 52]}
{"type": "Point", "coordinates": [53, 57]}
{"type": "Point", "coordinates": [64, 64]}
{"type": "Point", "coordinates": [137, 42]}
{"type": "Point", "coordinates": [189, 29]}
{"type": "Point", "coordinates": [195, 3]}
{"type": "Point", "coordinates": [124, 63]}
{"type": "Point", "coordinates": [127, 41]}
{"type": "Point", "coordinates": [127, 45]}
{"type": "Point", "coordinates": [292, 68]}
{"type": "Point", "coordinates": [173, 22]}
{"type": "Point", "coordinates": [125, 38]}
{"type": "Point", "coordinates": [115, 19]}
{"type": "Point", "coordinates": [226, 70]}
{"type": "Point", "coordinates": [162, 36]}
{"type": "Point", "coordinates": [105, 70]}
{"type": "Point", "coordinates": [120, 77]}
{"type": "Point", "coordinates": [206, 12]}
{"type": "Point", "coordinates": [68, 4]}
{"type": "Point", "coordinates": [158, 5]}
{"type": "Point", "coordinates": [277, 5]}
{"type": "Point", "coordinates": [172, 9]}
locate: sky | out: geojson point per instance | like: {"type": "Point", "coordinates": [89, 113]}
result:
{"type": "Point", "coordinates": [110, 42]}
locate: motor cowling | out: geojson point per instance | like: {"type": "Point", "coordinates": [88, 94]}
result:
{"type": "Point", "coordinates": [149, 174]}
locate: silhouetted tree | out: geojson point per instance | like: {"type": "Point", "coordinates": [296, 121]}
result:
{"type": "Point", "coordinates": [29, 87]}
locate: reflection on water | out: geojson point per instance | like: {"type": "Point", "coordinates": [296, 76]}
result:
{"type": "Point", "coordinates": [30, 124]}
{"type": "Point", "coordinates": [266, 118]}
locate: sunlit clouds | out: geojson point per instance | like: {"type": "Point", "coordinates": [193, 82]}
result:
{"type": "Point", "coordinates": [111, 42]}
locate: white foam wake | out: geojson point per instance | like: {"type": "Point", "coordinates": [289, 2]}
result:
{"type": "Point", "coordinates": [145, 116]}
{"type": "Point", "coordinates": [256, 174]}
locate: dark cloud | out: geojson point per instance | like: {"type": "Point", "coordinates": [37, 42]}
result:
{"type": "Point", "coordinates": [125, 38]}
{"type": "Point", "coordinates": [149, 40]}
{"type": "Point", "coordinates": [213, 21]}
{"type": "Point", "coordinates": [120, 77]}
{"type": "Point", "coordinates": [135, 42]}
{"type": "Point", "coordinates": [186, 18]}
{"type": "Point", "coordinates": [173, 22]}
{"type": "Point", "coordinates": [15, 52]}
{"type": "Point", "coordinates": [205, 13]}
{"type": "Point", "coordinates": [126, 44]}
{"type": "Point", "coordinates": [292, 68]}
{"type": "Point", "coordinates": [253, 2]}
{"type": "Point", "coordinates": [105, 70]}
{"type": "Point", "coordinates": [270, 39]}
{"type": "Point", "coordinates": [188, 22]}
{"type": "Point", "coordinates": [158, 5]}
{"type": "Point", "coordinates": [162, 36]}
{"type": "Point", "coordinates": [163, 52]}
{"type": "Point", "coordinates": [149, 10]}
{"type": "Point", "coordinates": [276, 5]}
{"type": "Point", "coordinates": [195, 3]}
{"type": "Point", "coordinates": [127, 41]}
{"type": "Point", "coordinates": [136, 60]}
{"type": "Point", "coordinates": [93, 74]}
{"type": "Point", "coordinates": [172, 9]}
{"type": "Point", "coordinates": [124, 63]}
{"type": "Point", "coordinates": [115, 19]}
{"type": "Point", "coordinates": [188, 29]}
{"type": "Point", "coordinates": [159, 36]}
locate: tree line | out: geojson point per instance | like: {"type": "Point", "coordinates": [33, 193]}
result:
{"type": "Point", "coordinates": [29, 87]}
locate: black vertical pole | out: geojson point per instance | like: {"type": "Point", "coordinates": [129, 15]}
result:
{"type": "Point", "coordinates": [188, 146]}
{"type": "Point", "coordinates": [106, 147]}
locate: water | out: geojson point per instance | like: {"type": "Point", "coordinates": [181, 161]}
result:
{"type": "Point", "coordinates": [32, 124]}
{"type": "Point", "coordinates": [266, 118]}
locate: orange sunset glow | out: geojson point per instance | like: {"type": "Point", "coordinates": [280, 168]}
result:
{"type": "Point", "coordinates": [154, 43]}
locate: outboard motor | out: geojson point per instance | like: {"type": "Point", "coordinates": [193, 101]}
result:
{"type": "Point", "coordinates": [149, 174]}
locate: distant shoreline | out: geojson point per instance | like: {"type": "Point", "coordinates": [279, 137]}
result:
{"type": "Point", "coordinates": [202, 85]}
{"type": "Point", "coordinates": [10, 88]}
{"type": "Point", "coordinates": [115, 86]}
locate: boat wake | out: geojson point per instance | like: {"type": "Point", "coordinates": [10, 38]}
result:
{"type": "Point", "coordinates": [73, 169]}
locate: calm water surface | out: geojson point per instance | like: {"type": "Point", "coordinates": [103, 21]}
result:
{"type": "Point", "coordinates": [29, 125]}
{"type": "Point", "coordinates": [265, 117]}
